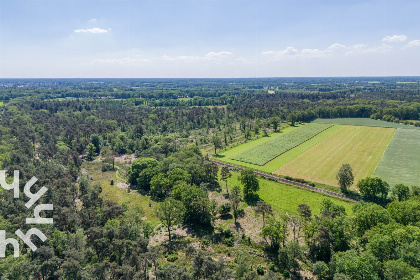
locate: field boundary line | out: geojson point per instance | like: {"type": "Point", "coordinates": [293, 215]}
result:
{"type": "Point", "coordinates": [289, 182]}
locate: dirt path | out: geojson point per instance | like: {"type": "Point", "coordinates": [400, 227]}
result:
{"type": "Point", "coordinates": [289, 182]}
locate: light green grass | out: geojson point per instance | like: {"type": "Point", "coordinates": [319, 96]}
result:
{"type": "Point", "coordinates": [401, 161]}
{"type": "Point", "coordinates": [364, 122]}
{"type": "Point", "coordinates": [279, 161]}
{"type": "Point", "coordinates": [360, 146]}
{"type": "Point", "coordinates": [120, 196]}
{"type": "Point", "coordinates": [293, 153]}
{"type": "Point", "coordinates": [286, 198]}
{"type": "Point", "coordinates": [264, 152]}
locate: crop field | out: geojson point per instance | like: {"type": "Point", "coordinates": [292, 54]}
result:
{"type": "Point", "coordinates": [360, 146]}
{"type": "Point", "coordinates": [365, 122]}
{"type": "Point", "coordinates": [401, 161]}
{"type": "Point", "coordinates": [263, 153]}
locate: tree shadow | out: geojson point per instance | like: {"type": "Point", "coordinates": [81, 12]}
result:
{"type": "Point", "coordinates": [226, 217]}
{"type": "Point", "coordinates": [218, 156]}
{"type": "Point", "coordinates": [252, 199]}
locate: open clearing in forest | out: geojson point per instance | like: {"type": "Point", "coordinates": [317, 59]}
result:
{"type": "Point", "coordinates": [360, 146]}
{"type": "Point", "coordinates": [401, 161]}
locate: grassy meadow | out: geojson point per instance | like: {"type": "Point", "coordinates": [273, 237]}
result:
{"type": "Point", "coordinates": [264, 152]}
{"type": "Point", "coordinates": [286, 198]}
{"type": "Point", "coordinates": [401, 161]}
{"type": "Point", "coordinates": [360, 146]}
{"type": "Point", "coordinates": [365, 122]}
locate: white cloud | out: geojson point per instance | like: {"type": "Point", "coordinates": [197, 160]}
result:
{"type": "Point", "coordinates": [211, 56]}
{"type": "Point", "coordinates": [217, 54]}
{"type": "Point", "coordinates": [336, 46]}
{"type": "Point", "coordinates": [92, 20]}
{"type": "Point", "coordinates": [124, 60]}
{"type": "Point", "coordinates": [412, 44]}
{"type": "Point", "coordinates": [394, 38]}
{"type": "Point", "coordinates": [364, 49]}
{"type": "Point", "coordinates": [94, 30]}
{"type": "Point", "coordinates": [291, 52]}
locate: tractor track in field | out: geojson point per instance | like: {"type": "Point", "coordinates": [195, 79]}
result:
{"type": "Point", "coordinates": [289, 182]}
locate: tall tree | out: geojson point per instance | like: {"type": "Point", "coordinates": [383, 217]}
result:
{"type": "Point", "coordinates": [225, 175]}
{"type": "Point", "coordinates": [217, 143]}
{"type": "Point", "coordinates": [235, 200]}
{"type": "Point", "coordinates": [263, 209]}
{"type": "Point", "coordinates": [90, 151]}
{"type": "Point", "coordinates": [170, 213]}
{"type": "Point", "coordinates": [275, 121]}
{"type": "Point", "coordinates": [250, 182]}
{"type": "Point", "coordinates": [371, 188]}
{"type": "Point", "coordinates": [345, 177]}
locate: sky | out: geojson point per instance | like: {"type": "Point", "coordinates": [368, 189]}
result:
{"type": "Point", "coordinates": [208, 38]}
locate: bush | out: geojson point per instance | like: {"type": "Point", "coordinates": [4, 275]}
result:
{"type": "Point", "coordinates": [224, 209]}
{"type": "Point", "coordinates": [172, 258]}
{"type": "Point", "coordinates": [260, 270]}
{"type": "Point", "coordinates": [107, 167]}
{"type": "Point", "coordinates": [229, 241]}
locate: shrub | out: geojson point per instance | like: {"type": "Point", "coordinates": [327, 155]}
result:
{"type": "Point", "coordinates": [224, 209]}
{"type": "Point", "coordinates": [260, 270]}
{"type": "Point", "coordinates": [107, 167]}
{"type": "Point", "coordinates": [172, 258]}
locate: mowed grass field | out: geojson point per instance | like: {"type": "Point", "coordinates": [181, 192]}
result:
{"type": "Point", "coordinates": [264, 152]}
{"type": "Point", "coordinates": [360, 146]}
{"type": "Point", "coordinates": [286, 198]}
{"type": "Point", "coordinates": [401, 161]}
{"type": "Point", "coordinates": [273, 165]}
{"type": "Point", "coordinates": [364, 122]}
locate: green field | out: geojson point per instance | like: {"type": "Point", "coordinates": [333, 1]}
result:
{"type": "Point", "coordinates": [276, 163]}
{"type": "Point", "coordinates": [401, 161]}
{"type": "Point", "coordinates": [264, 152]}
{"type": "Point", "coordinates": [360, 146]}
{"type": "Point", "coordinates": [365, 122]}
{"type": "Point", "coordinates": [286, 198]}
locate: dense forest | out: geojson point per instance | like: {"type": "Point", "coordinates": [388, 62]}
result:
{"type": "Point", "coordinates": [64, 131]}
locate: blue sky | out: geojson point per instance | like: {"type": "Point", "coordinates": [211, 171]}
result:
{"type": "Point", "coordinates": [208, 38]}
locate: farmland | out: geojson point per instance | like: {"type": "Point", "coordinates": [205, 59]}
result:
{"type": "Point", "coordinates": [362, 147]}
{"type": "Point", "coordinates": [364, 122]}
{"type": "Point", "coordinates": [401, 161]}
{"type": "Point", "coordinates": [271, 149]}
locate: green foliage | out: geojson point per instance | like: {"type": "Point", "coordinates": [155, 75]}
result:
{"type": "Point", "coordinates": [142, 171]}
{"type": "Point", "coordinates": [235, 200]}
{"type": "Point", "coordinates": [400, 192]}
{"type": "Point", "coordinates": [405, 212]}
{"type": "Point", "coordinates": [90, 151]}
{"type": "Point", "coordinates": [358, 266]}
{"type": "Point", "coordinates": [271, 149]}
{"type": "Point", "coordinates": [373, 188]}
{"type": "Point", "coordinates": [321, 270]}
{"type": "Point", "coordinates": [250, 182]}
{"type": "Point", "coordinates": [196, 204]}
{"type": "Point", "coordinates": [368, 215]}
{"type": "Point", "coordinates": [276, 230]}
{"type": "Point", "coordinates": [170, 213]}
{"type": "Point", "coordinates": [345, 177]}
{"type": "Point", "coordinates": [399, 270]}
